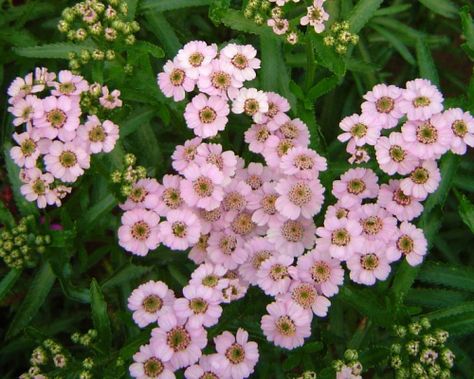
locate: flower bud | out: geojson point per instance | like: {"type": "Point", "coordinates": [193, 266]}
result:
{"type": "Point", "coordinates": [130, 39]}
{"type": "Point", "coordinates": [80, 34]}
{"type": "Point", "coordinates": [129, 159]}
{"type": "Point", "coordinates": [63, 26]}
{"type": "Point", "coordinates": [414, 328]}
{"type": "Point", "coordinates": [110, 55]}
{"type": "Point", "coordinates": [98, 55]}
{"type": "Point", "coordinates": [351, 355]}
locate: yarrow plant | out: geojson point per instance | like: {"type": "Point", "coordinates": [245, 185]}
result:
{"type": "Point", "coordinates": [57, 129]}
{"type": "Point", "coordinates": [254, 225]}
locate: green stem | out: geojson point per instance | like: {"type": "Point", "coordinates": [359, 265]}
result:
{"type": "Point", "coordinates": [310, 62]}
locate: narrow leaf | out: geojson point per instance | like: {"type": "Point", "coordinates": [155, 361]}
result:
{"type": "Point", "coordinates": [54, 50]}
{"type": "Point", "coordinates": [466, 210]}
{"type": "Point", "coordinates": [39, 290]}
{"type": "Point", "coordinates": [168, 5]}
{"type": "Point", "coordinates": [324, 86]}
{"type": "Point", "coordinates": [161, 28]}
{"type": "Point", "coordinates": [447, 275]}
{"type": "Point", "coordinates": [426, 63]}
{"type": "Point", "coordinates": [8, 282]}
{"type": "Point", "coordinates": [396, 43]}
{"type": "Point", "coordinates": [444, 8]}
{"type": "Point", "coordinates": [362, 13]}
{"type": "Point", "coordinates": [100, 316]}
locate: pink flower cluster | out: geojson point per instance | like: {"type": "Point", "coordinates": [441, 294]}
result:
{"type": "Point", "coordinates": [57, 139]}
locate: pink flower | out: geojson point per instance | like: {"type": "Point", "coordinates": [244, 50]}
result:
{"type": "Point", "coordinates": [299, 198]}
{"type": "Point", "coordinates": [303, 163]}
{"type": "Point", "coordinates": [210, 276]}
{"type": "Point", "coordinates": [363, 129]}
{"type": "Point", "coordinates": [382, 105]}
{"type": "Point", "coordinates": [170, 195]}
{"type": "Point", "coordinates": [178, 340]}
{"type": "Point", "coordinates": [276, 148]}
{"type": "Point", "coordinates": [252, 102]}
{"type": "Point", "coordinates": [148, 301]}
{"type": "Point", "coordinates": [208, 368]}
{"type": "Point", "coordinates": [226, 249]}
{"type": "Point", "coordinates": [20, 87]}
{"type": "Point", "coordinates": [295, 130]}
{"type": "Point", "coordinates": [200, 305]}
{"type": "Point", "coordinates": [411, 243]}
{"type": "Point", "coordinates": [26, 109]}
{"type": "Point", "coordinates": [369, 263]}
{"type": "Point", "coordinates": [235, 198]}
{"type": "Point", "coordinates": [403, 207]}
{"type": "Point", "coordinates": [235, 290]}
{"type": "Point", "coordinates": [262, 203]}
{"type": "Point", "coordinates": [292, 237]}
{"type": "Point", "coordinates": [37, 187]}
{"type": "Point", "coordinates": [277, 108]}
{"type": "Point", "coordinates": [27, 152]}
{"type": "Point", "coordinates": [110, 100]}
{"type": "Point", "coordinates": [138, 233]}
{"type": "Point", "coordinates": [202, 188]}
{"type": "Point", "coordinates": [279, 25]}
{"type": "Point", "coordinates": [255, 175]}
{"type": "Point", "coordinates": [69, 84]}
{"type": "Point", "coordinates": [359, 154]}
{"type": "Point", "coordinates": [376, 222]}
{"type": "Point", "coordinates": [318, 268]}
{"type": "Point", "coordinates": [422, 181]}
{"type": "Point", "coordinates": [144, 194]}
{"type": "Point", "coordinates": [60, 118]}
{"type": "Point", "coordinates": [221, 81]}
{"type": "Point", "coordinates": [237, 355]}
{"type": "Point", "coordinates": [287, 324]}
{"type": "Point", "coordinates": [198, 253]}
{"type": "Point", "coordinates": [306, 296]}
{"type": "Point", "coordinates": [181, 229]}
{"type": "Point", "coordinates": [394, 154]}
{"type": "Point", "coordinates": [241, 59]}
{"type": "Point", "coordinates": [462, 126]}
{"type": "Point", "coordinates": [66, 161]}
{"type": "Point", "coordinates": [341, 237]}
{"type": "Point", "coordinates": [273, 276]}
{"type": "Point", "coordinates": [195, 58]}
{"type": "Point", "coordinates": [428, 139]}
{"type": "Point", "coordinates": [206, 116]}
{"type": "Point", "coordinates": [184, 155]}
{"type": "Point", "coordinates": [259, 250]}
{"type": "Point", "coordinates": [99, 136]}
{"type": "Point", "coordinates": [174, 82]}
{"type": "Point", "coordinates": [151, 361]}
{"type": "Point", "coordinates": [355, 185]}
{"type": "Point", "coordinates": [257, 137]}
{"type": "Point", "coordinates": [315, 16]}
{"type": "Point", "coordinates": [421, 100]}
{"type": "Point", "coordinates": [336, 210]}
{"type": "Point", "coordinates": [348, 373]}
{"type": "Point", "coordinates": [225, 161]}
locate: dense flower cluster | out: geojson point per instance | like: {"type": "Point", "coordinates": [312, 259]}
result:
{"type": "Point", "coordinates": [420, 352]}
{"type": "Point", "coordinates": [410, 157]}
{"type": "Point", "coordinates": [60, 131]}
{"type": "Point", "coordinates": [272, 12]}
{"type": "Point", "coordinates": [104, 22]}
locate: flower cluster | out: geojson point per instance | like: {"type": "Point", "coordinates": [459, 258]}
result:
{"type": "Point", "coordinates": [20, 246]}
{"type": "Point", "coordinates": [420, 352]}
{"type": "Point", "coordinates": [340, 37]}
{"type": "Point", "coordinates": [49, 356]}
{"type": "Point", "coordinates": [350, 367]}
{"type": "Point", "coordinates": [103, 22]}
{"type": "Point", "coordinates": [272, 12]}
{"type": "Point", "coordinates": [60, 131]}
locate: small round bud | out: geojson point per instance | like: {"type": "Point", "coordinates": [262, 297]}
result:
{"type": "Point", "coordinates": [110, 55]}
{"type": "Point", "coordinates": [47, 239]}
{"type": "Point", "coordinates": [110, 13]}
{"type": "Point", "coordinates": [344, 25]}
{"type": "Point", "coordinates": [130, 39]}
{"type": "Point", "coordinates": [123, 8]}
{"type": "Point", "coordinates": [414, 328]}
{"type": "Point", "coordinates": [292, 38]}
{"type": "Point", "coordinates": [71, 35]}
{"type": "Point", "coordinates": [41, 249]}
{"type": "Point", "coordinates": [412, 347]}
{"type": "Point", "coordinates": [328, 40]}
{"type": "Point", "coordinates": [116, 177]}
{"type": "Point", "coordinates": [354, 39]}
{"type": "Point", "coordinates": [396, 348]}
{"type": "Point", "coordinates": [68, 15]}
{"type": "Point", "coordinates": [39, 356]}
{"type": "Point", "coordinates": [335, 27]}
{"type": "Point", "coordinates": [75, 337]}
{"type": "Point", "coordinates": [126, 189]}
{"type": "Point", "coordinates": [400, 331]}
{"type": "Point", "coordinates": [396, 361]}
{"type": "Point", "coordinates": [309, 375]}
{"type": "Point", "coordinates": [85, 375]}
{"type": "Point", "coordinates": [110, 34]}
{"type": "Point", "coordinates": [96, 29]}
{"type": "Point", "coordinates": [129, 159]}
{"type": "Point", "coordinates": [8, 246]}
{"type": "Point", "coordinates": [258, 19]}
{"type": "Point", "coordinates": [119, 362]}
{"type": "Point", "coordinates": [141, 172]}
{"type": "Point", "coordinates": [81, 34]}
{"type": "Point", "coordinates": [63, 26]}
{"type": "Point", "coordinates": [98, 55]}
{"type": "Point", "coordinates": [60, 360]}
{"type": "Point", "coordinates": [265, 6]}
{"type": "Point", "coordinates": [34, 371]}
{"type": "Point", "coordinates": [248, 13]}
{"type": "Point", "coordinates": [88, 363]}
{"type": "Point", "coordinates": [441, 336]}
{"type": "Point", "coordinates": [351, 355]}
{"type": "Point", "coordinates": [277, 12]}
{"type": "Point", "coordinates": [127, 29]}
{"type": "Point", "coordinates": [85, 56]}
{"type": "Point", "coordinates": [341, 49]}
{"type": "Point", "coordinates": [338, 365]}
{"type": "Point", "coordinates": [356, 368]}
{"type": "Point", "coordinates": [95, 89]}
{"type": "Point", "coordinates": [92, 333]}
{"type": "Point", "coordinates": [447, 357]}
{"type": "Point", "coordinates": [429, 340]}
{"type": "Point", "coordinates": [98, 7]}
{"type": "Point", "coordinates": [135, 26]}
{"type": "Point", "coordinates": [425, 323]}
{"type": "Point", "coordinates": [417, 369]}
{"type": "Point", "coordinates": [434, 371]}
{"type": "Point", "coordinates": [428, 356]}
{"type": "Point", "coordinates": [128, 69]}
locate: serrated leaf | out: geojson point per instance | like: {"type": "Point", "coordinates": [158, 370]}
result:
{"type": "Point", "coordinates": [362, 13]}
{"type": "Point", "coordinates": [324, 86]}
{"type": "Point", "coordinates": [100, 316]}
{"type": "Point", "coordinates": [435, 298]}
{"type": "Point", "coordinates": [403, 280]}
{"type": "Point", "coordinates": [447, 275]}
{"type": "Point", "coordinates": [150, 48]}
{"type": "Point", "coordinates": [466, 210]}
{"type": "Point", "coordinates": [94, 213]}
{"type": "Point", "coordinates": [168, 5]}
{"type": "Point", "coordinates": [426, 63]}
{"type": "Point", "coordinates": [467, 26]}
{"type": "Point", "coordinates": [53, 50]}
{"type": "Point", "coordinates": [37, 294]}
{"type": "Point", "coordinates": [8, 281]}
{"type": "Point", "coordinates": [444, 8]}
{"type": "Point", "coordinates": [327, 57]}
{"type": "Point", "coordinates": [394, 9]}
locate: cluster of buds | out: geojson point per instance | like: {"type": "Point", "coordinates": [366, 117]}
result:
{"type": "Point", "coordinates": [340, 37]}
{"type": "Point", "coordinates": [350, 367]}
{"type": "Point", "coordinates": [20, 246]}
{"type": "Point", "coordinates": [307, 375]}
{"type": "Point", "coordinates": [48, 357]}
{"type": "Point", "coordinates": [127, 177]}
{"type": "Point", "coordinates": [104, 23]}
{"type": "Point", "coordinates": [85, 339]}
{"type": "Point", "coordinates": [420, 352]}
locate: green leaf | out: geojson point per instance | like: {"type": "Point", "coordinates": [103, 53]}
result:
{"type": "Point", "coordinates": [466, 210]}
{"type": "Point", "coordinates": [162, 29]}
{"type": "Point", "coordinates": [235, 20]}
{"type": "Point", "coordinates": [8, 282]}
{"type": "Point", "coordinates": [447, 275]}
{"type": "Point", "coordinates": [394, 9]}
{"type": "Point", "coordinates": [136, 119]}
{"type": "Point", "coordinates": [313, 347]}
{"type": "Point", "coordinates": [426, 63]}
{"type": "Point", "coordinates": [404, 279]}
{"type": "Point", "coordinates": [444, 8]}
{"type": "Point", "coordinates": [362, 13]}
{"type": "Point", "coordinates": [37, 293]}
{"type": "Point", "coordinates": [292, 361]}
{"type": "Point", "coordinates": [149, 48]}
{"type": "Point", "coordinates": [396, 43]}
{"type": "Point", "coordinates": [100, 317]}
{"type": "Point", "coordinates": [324, 86]}
{"type": "Point", "coordinates": [435, 298]}
{"type": "Point", "coordinates": [468, 31]}
{"type": "Point", "coordinates": [270, 71]}
{"type": "Point", "coordinates": [328, 57]}
{"type": "Point", "coordinates": [53, 50]}
{"type": "Point", "coordinates": [217, 10]}
{"type": "Point", "coordinates": [94, 213]}
{"type": "Point", "coordinates": [168, 5]}
{"type": "Point", "coordinates": [125, 274]}
{"type": "Point", "coordinates": [6, 217]}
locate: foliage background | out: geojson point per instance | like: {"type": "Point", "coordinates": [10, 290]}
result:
{"type": "Point", "coordinates": [84, 278]}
